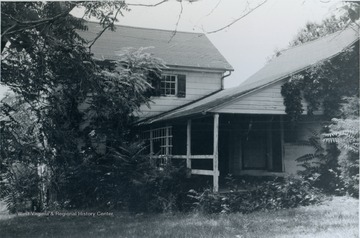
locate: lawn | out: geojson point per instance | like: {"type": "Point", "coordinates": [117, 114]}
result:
{"type": "Point", "coordinates": [337, 217]}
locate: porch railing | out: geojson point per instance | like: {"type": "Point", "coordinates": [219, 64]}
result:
{"type": "Point", "coordinates": [192, 157]}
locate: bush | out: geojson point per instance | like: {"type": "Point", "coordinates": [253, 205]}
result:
{"type": "Point", "coordinates": [124, 179]}
{"type": "Point", "coordinates": [334, 166]}
{"type": "Point", "coordinates": [275, 194]}
{"type": "Point", "coordinates": [19, 187]}
{"type": "Point", "coordinates": [344, 133]}
{"type": "Point", "coordinates": [321, 168]}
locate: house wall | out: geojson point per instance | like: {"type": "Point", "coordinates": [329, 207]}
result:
{"type": "Point", "coordinates": [198, 84]}
{"type": "Point", "coordinates": [293, 150]}
{"type": "Point", "coordinates": [263, 101]}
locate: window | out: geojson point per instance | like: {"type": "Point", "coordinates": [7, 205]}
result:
{"type": "Point", "coordinates": [168, 86]}
{"type": "Point", "coordinates": [160, 140]}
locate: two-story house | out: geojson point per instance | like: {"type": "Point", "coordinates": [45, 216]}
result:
{"type": "Point", "coordinates": [216, 131]}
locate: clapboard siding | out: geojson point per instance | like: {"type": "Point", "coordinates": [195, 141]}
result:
{"type": "Point", "coordinates": [198, 84]}
{"type": "Point", "coordinates": [264, 101]}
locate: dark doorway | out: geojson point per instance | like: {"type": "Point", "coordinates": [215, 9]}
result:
{"type": "Point", "coordinates": [254, 145]}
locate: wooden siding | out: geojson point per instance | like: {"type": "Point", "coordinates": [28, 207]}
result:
{"type": "Point", "coordinates": [264, 101]}
{"type": "Point", "coordinates": [198, 84]}
{"type": "Point", "coordinates": [292, 151]}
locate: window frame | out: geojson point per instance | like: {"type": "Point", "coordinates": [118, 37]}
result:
{"type": "Point", "coordinates": [163, 89]}
{"type": "Point", "coordinates": [163, 136]}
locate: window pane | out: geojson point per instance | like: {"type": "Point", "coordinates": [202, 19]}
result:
{"type": "Point", "coordinates": [168, 85]}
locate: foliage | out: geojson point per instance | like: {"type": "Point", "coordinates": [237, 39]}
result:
{"type": "Point", "coordinates": [344, 132]}
{"type": "Point", "coordinates": [22, 153]}
{"type": "Point", "coordinates": [274, 194]}
{"type": "Point", "coordinates": [80, 108]}
{"type": "Point", "coordinates": [321, 168]}
{"type": "Point", "coordinates": [125, 179]}
{"type": "Point", "coordinates": [323, 85]}
{"type": "Point", "coordinates": [19, 189]}
{"type": "Point", "coordinates": [313, 30]}
{"type": "Point", "coordinates": [326, 85]}
{"type": "Point", "coordinates": [291, 91]}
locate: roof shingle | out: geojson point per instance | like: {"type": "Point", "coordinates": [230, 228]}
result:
{"type": "Point", "coordinates": [184, 49]}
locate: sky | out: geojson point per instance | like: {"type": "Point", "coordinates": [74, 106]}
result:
{"type": "Point", "coordinates": [248, 43]}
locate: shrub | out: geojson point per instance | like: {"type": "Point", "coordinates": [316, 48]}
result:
{"type": "Point", "coordinates": [19, 187]}
{"type": "Point", "coordinates": [334, 166]}
{"type": "Point", "coordinates": [275, 194]}
{"type": "Point", "coordinates": [321, 168]}
{"type": "Point", "coordinates": [344, 132]}
{"type": "Point", "coordinates": [123, 179]}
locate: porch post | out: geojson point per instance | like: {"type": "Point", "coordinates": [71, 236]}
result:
{"type": "Point", "coordinates": [188, 144]}
{"type": "Point", "coordinates": [269, 145]}
{"type": "Point", "coordinates": [216, 154]}
{"type": "Point", "coordinates": [282, 142]}
{"type": "Point", "coordinates": [151, 140]}
{"type": "Point", "coordinates": [151, 143]}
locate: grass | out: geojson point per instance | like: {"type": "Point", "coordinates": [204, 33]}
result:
{"type": "Point", "coordinates": [337, 217]}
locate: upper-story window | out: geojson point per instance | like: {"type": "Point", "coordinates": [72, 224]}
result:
{"type": "Point", "coordinates": [169, 85]}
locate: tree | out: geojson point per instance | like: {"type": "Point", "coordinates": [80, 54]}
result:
{"type": "Point", "coordinates": [325, 83]}
{"type": "Point", "coordinates": [334, 86]}
{"type": "Point", "coordinates": [80, 105]}
{"type": "Point", "coordinates": [345, 132]}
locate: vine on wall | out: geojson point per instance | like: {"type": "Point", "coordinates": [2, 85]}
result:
{"type": "Point", "coordinates": [323, 85]}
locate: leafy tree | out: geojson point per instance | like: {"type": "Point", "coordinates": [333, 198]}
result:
{"type": "Point", "coordinates": [348, 14]}
{"type": "Point", "coordinates": [329, 85]}
{"type": "Point", "coordinates": [323, 85]}
{"type": "Point", "coordinates": [22, 152]}
{"type": "Point", "coordinates": [345, 132]}
{"type": "Point", "coordinates": [82, 107]}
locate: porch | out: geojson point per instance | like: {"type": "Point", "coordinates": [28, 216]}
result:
{"type": "Point", "coordinates": [220, 144]}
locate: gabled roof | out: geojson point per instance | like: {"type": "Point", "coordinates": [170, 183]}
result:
{"type": "Point", "coordinates": [184, 49]}
{"type": "Point", "coordinates": [291, 61]}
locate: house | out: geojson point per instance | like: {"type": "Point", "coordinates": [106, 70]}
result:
{"type": "Point", "coordinates": [216, 131]}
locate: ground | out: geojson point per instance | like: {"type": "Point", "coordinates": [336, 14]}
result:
{"type": "Point", "coordinates": [336, 217]}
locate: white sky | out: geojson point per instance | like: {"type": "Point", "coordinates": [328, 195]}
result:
{"type": "Point", "coordinates": [248, 43]}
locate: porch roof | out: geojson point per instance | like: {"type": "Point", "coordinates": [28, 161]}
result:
{"type": "Point", "coordinates": [291, 61]}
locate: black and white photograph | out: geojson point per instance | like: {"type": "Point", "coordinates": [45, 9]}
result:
{"type": "Point", "coordinates": [180, 118]}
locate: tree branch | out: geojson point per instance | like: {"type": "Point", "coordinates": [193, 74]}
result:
{"type": "Point", "coordinates": [147, 5]}
{"type": "Point", "coordinates": [177, 23]}
{"type": "Point", "coordinates": [214, 8]}
{"type": "Point", "coordinates": [238, 19]}
{"type": "Point", "coordinates": [37, 22]}
{"type": "Point", "coordinates": [103, 30]}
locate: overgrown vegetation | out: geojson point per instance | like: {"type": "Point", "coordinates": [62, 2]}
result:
{"type": "Point", "coordinates": [345, 132]}
{"type": "Point", "coordinates": [270, 194]}
{"type": "Point", "coordinates": [333, 87]}
{"type": "Point", "coordinates": [71, 113]}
